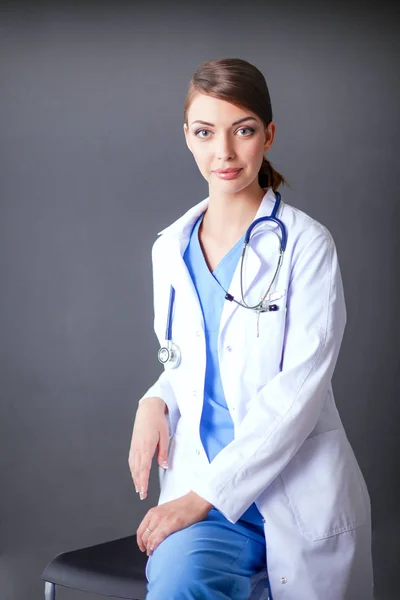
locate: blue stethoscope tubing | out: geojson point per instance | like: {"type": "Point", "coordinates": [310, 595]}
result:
{"type": "Point", "coordinates": [169, 354]}
{"type": "Point", "coordinates": [273, 218]}
{"type": "Point", "coordinates": [168, 331]}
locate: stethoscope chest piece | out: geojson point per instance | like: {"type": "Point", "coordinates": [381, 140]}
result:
{"type": "Point", "coordinates": [169, 355]}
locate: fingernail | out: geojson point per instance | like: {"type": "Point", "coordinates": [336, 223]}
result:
{"type": "Point", "coordinates": [137, 491]}
{"type": "Point", "coordinates": [164, 464]}
{"type": "Point", "coordinates": [142, 495]}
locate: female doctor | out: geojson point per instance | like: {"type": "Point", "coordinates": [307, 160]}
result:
{"type": "Point", "coordinates": [259, 474]}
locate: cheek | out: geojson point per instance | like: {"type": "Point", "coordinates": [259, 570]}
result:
{"type": "Point", "coordinates": [255, 156]}
{"type": "Point", "coordinates": [203, 159]}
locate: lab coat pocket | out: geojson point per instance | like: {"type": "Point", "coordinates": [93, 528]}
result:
{"type": "Point", "coordinates": [268, 344]}
{"type": "Point", "coordinates": [324, 486]}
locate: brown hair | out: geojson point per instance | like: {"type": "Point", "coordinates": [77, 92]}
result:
{"type": "Point", "coordinates": [241, 83]}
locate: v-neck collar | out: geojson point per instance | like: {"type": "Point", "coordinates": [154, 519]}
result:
{"type": "Point", "coordinates": [199, 249]}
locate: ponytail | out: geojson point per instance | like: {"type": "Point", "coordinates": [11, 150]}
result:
{"type": "Point", "coordinates": [269, 177]}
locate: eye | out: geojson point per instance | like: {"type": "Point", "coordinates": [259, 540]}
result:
{"type": "Point", "coordinates": [199, 131]}
{"type": "Point", "coordinates": [248, 129]}
{"type": "Point", "coordinates": [251, 130]}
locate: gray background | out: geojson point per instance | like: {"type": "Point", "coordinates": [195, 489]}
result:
{"type": "Point", "coordinates": [93, 164]}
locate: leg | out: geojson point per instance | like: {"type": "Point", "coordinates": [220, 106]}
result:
{"type": "Point", "coordinates": [49, 591]}
{"type": "Point", "coordinates": [212, 560]}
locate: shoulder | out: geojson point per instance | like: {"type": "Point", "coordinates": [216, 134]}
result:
{"type": "Point", "coordinates": [304, 231]}
{"type": "Point", "coordinates": [302, 223]}
{"type": "Point", "coordinates": [157, 246]}
{"type": "Point", "coordinates": [311, 249]}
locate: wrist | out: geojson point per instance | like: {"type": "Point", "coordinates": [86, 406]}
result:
{"type": "Point", "coordinates": [201, 502]}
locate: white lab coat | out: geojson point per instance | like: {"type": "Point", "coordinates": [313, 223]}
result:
{"type": "Point", "coordinates": [290, 454]}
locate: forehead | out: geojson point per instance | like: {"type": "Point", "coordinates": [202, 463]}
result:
{"type": "Point", "coordinates": [215, 110]}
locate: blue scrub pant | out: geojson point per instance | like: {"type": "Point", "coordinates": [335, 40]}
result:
{"type": "Point", "coordinates": [210, 560]}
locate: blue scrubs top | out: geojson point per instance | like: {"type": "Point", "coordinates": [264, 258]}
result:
{"type": "Point", "coordinates": [216, 426]}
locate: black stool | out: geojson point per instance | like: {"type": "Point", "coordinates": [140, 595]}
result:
{"type": "Point", "coordinates": [115, 568]}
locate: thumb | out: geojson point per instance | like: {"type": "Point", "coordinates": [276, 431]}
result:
{"type": "Point", "coordinates": [163, 449]}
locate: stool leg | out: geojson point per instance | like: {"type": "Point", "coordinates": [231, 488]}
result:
{"type": "Point", "coordinates": [49, 591]}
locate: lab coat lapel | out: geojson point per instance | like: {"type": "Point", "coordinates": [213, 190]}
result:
{"type": "Point", "coordinates": [182, 281]}
{"type": "Point", "coordinates": [178, 235]}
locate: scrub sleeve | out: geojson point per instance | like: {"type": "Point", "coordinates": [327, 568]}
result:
{"type": "Point", "coordinates": [213, 559]}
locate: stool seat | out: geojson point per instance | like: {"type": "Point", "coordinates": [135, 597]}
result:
{"type": "Point", "coordinates": [115, 568]}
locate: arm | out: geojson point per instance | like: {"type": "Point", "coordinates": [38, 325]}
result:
{"type": "Point", "coordinates": [287, 408]}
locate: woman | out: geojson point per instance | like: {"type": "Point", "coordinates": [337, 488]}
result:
{"type": "Point", "coordinates": [260, 475]}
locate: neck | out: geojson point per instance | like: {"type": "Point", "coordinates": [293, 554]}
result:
{"type": "Point", "coordinates": [228, 216]}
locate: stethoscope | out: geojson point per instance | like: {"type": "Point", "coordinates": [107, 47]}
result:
{"type": "Point", "coordinates": [169, 355]}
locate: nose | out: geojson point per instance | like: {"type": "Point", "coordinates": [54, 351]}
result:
{"type": "Point", "coordinates": [225, 150]}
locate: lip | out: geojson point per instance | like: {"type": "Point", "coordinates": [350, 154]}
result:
{"type": "Point", "coordinates": [228, 174]}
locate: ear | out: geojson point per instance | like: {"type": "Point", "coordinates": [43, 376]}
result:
{"type": "Point", "coordinates": [269, 136]}
{"type": "Point", "coordinates": [186, 131]}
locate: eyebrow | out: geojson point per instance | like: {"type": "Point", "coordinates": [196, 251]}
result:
{"type": "Point", "coordinates": [235, 123]}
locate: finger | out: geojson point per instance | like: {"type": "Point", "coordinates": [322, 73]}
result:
{"type": "Point", "coordinates": [147, 540]}
{"type": "Point", "coordinates": [141, 534]}
{"type": "Point", "coordinates": [133, 455]}
{"type": "Point", "coordinates": [143, 540]}
{"type": "Point", "coordinates": [163, 448]}
{"type": "Point", "coordinates": [139, 542]}
{"type": "Point", "coordinates": [144, 472]}
{"type": "Point", "coordinates": [145, 529]}
{"type": "Point", "coordinates": [155, 539]}
{"type": "Point", "coordinates": [132, 460]}
{"type": "Point", "coordinates": [137, 468]}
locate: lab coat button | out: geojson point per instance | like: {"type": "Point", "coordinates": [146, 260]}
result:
{"type": "Point", "coordinates": [197, 451]}
{"type": "Point", "coordinates": [229, 348]}
{"type": "Point", "coordinates": [263, 520]}
{"type": "Point", "coordinates": [194, 393]}
{"type": "Point", "coordinates": [283, 580]}
{"type": "Point", "coordinates": [198, 333]}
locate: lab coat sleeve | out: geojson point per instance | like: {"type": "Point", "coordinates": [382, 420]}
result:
{"type": "Point", "coordinates": [162, 388]}
{"type": "Point", "coordinates": [285, 410]}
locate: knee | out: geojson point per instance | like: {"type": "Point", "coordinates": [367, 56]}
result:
{"type": "Point", "coordinates": [183, 583]}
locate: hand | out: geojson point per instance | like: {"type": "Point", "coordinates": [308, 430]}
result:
{"type": "Point", "coordinates": [149, 431]}
{"type": "Point", "coordinates": [169, 517]}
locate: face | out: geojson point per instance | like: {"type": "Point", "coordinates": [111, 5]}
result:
{"type": "Point", "coordinates": [221, 135]}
